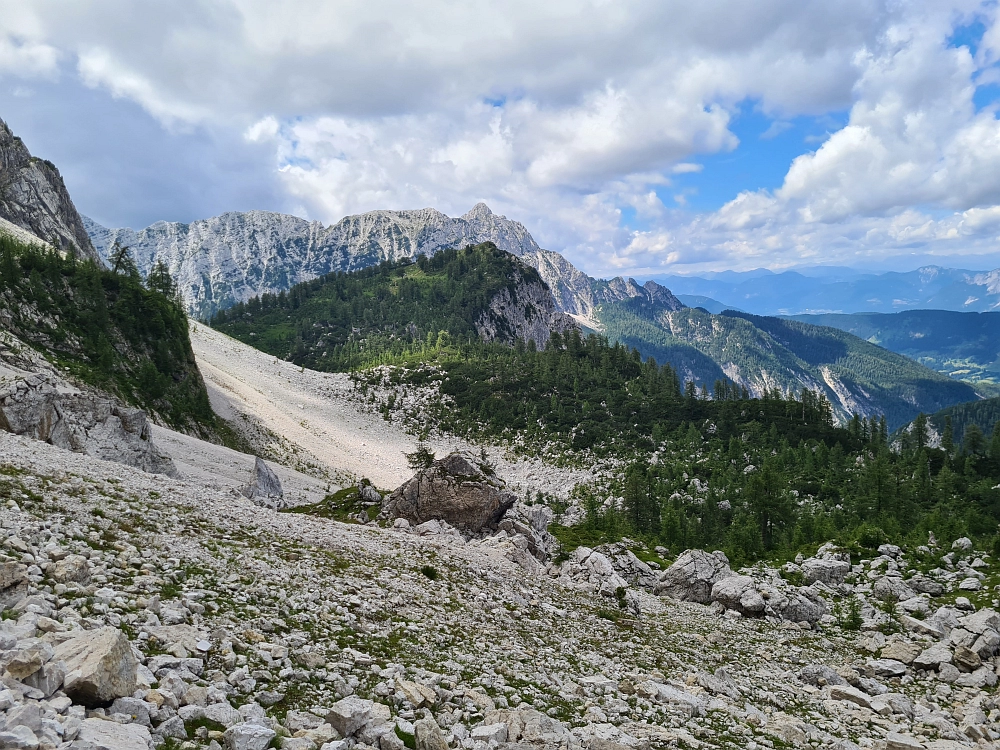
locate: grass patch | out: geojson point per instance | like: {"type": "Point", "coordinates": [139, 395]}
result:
{"type": "Point", "coordinates": [407, 739]}
{"type": "Point", "coordinates": [430, 572]}
{"type": "Point", "coordinates": [344, 506]}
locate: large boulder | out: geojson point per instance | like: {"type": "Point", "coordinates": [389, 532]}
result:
{"type": "Point", "coordinates": [265, 487]}
{"type": "Point", "coordinates": [693, 575]}
{"type": "Point", "coordinates": [70, 569]}
{"type": "Point", "coordinates": [828, 571]}
{"type": "Point", "coordinates": [109, 735]}
{"type": "Point", "coordinates": [100, 666]}
{"type": "Point", "coordinates": [459, 488]}
{"type": "Point", "coordinates": [740, 594]}
{"type": "Point", "coordinates": [796, 604]}
{"type": "Point", "coordinates": [45, 407]}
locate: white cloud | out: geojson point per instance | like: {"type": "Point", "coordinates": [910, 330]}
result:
{"type": "Point", "coordinates": [563, 114]}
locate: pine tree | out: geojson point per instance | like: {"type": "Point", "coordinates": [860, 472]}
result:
{"type": "Point", "coordinates": [121, 261]}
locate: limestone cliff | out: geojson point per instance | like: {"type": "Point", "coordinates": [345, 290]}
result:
{"type": "Point", "coordinates": [34, 198]}
{"type": "Point", "coordinates": [525, 310]}
{"type": "Point", "coordinates": [230, 258]}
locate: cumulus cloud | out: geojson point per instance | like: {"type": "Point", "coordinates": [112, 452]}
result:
{"type": "Point", "coordinates": [567, 116]}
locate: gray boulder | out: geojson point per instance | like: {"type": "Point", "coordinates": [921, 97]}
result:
{"type": "Point", "coordinates": [740, 594]}
{"type": "Point", "coordinates": [350, 714]}
{"type": "Point", "coordinates": [247, 737]}
{"type": "Point", "coordinates": [428, 736]}
{"type": "Point", "coordinates": [693, 575]}
{"type": "Point", "coordinates": [829, 571]}
{"type": "Point", "coordinates": [932, 658]}
{"type": "Point", "coordinates": [46, 408]}
{"type": "Point", "coordinates": [109, 735]}
{"type": "Point", "coordinates": [796, 604]}
{"type": "Point", "coordinates": [892, 588]}
{"type": "Point", "coordinates": [13, 584]}
{"type": "Point", "coordinates": [460, 489]}
{"type": "Point", "coordinates": [265, 487]}
{"type": "Point", "coordinates": [100, 666]}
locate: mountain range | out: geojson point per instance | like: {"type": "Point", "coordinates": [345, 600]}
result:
{"type": "Point", "coordinates": [237, 257]}
{"type": "Point", "coordinates": [841, 290]}
{"type": "Point", "coordinates": [230, 258]}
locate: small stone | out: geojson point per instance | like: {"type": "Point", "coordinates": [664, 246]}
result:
{"type": "Point", "coordinates": [18, 738]}
{"type": "Point", "coordinates": [349, 714]}
{"type": "Point", "coordinates": [896, 741]}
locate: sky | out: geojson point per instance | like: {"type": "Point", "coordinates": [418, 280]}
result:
{"type": "Point", "coordinates": [634, 136]}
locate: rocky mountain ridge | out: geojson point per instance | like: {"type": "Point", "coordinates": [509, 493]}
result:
{"type": "Point", "coordinates": [233, 257]}
{"type": "Point", "coordinates": [34, 198]}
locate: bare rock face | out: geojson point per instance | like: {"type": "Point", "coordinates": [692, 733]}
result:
{"type": "Point", "coordinates": [265, 488]}
{"type": "Point", "coordinates": [34, 198]}
{"type": "Point", "coordinates": [459, 488]}
{"type": "Point", "coordinates": [233, 249]}
{"type": "Point", "coordinates": [43, 407]}
{"type": "Point", "coordinates": [526, 312]}
{"type": "Point", "coordinates": [693, 575]}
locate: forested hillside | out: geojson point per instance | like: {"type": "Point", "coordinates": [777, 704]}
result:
{"type": "Point", "coordinates": [758, 477]}
{"type": "Point", "coordinates": [963, 345]}
{"type": "Point", "coordinates": [105, 327]}
{"type": "Point", "coordinates": [400, 310]}
{"type": "Point", "coordinates": [953, 423]}
{"type": "Point", "coordinates": [762, 353]}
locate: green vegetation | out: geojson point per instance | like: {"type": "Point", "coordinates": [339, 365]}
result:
{"type": "Point", "coordinates": [965, 346]}
{"type": "Point", "coordinates": [344, 505]}
{"type": "Point", "coordinates": [793, 354]}
{"type": "Point", "coordinates": [758, 477]}
{"type": "Point", "coordinates": [760, 494]}
{"type": "Point", "coordinates": [106, 327]}
{"type": "Point", "coordinates": [980, 414]}
{"type": "Point", "coordinates": [393, 312]}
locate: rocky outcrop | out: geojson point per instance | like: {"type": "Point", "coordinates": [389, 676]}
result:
{"type": "Point", "coordinates": [693, 575]}
{"type": "Point", "coordinates": [265, 487]}
{"type": "Point", "coordinates": [698, 576]}
{"type": "Point", "coordinates": [460, 489]}
{"type": "Point", "coordinates": [524, 310]}
{"type": "Point", "coordinates": [34, 198]}
{"type": "Point", "coordinates": [44, 407]}
{"type": "Point", "coordinates": [227, 259]}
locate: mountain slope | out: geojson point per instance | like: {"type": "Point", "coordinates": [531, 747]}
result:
{"type": "Point", "coordinates": [762, 354]}
{"type": "Point", "coordinates": [984, 414]}
{"type": "Point", "coordinates": [343, 321]}
{"type": "Point", "coordinates": [34, 198]}
{"type": "Point", "coordinates": [106, 329]}
{"type": "Point", "coordinates": [227, 259]}
{"type": "Point", "coordinates": [965, 346]}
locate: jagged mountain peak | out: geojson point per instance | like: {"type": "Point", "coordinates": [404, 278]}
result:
{"type": "Point", "coordinates": [34, 198]}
